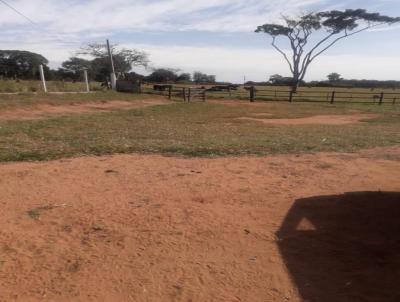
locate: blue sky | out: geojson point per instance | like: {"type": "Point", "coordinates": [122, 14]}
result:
{"type": "Point", "coordinates": [212, 36]}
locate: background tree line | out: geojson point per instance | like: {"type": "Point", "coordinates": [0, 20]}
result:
{"type": "Point", "coordinates": [24, 65]}
{"type": "Point", "coordinates": [334, 79]}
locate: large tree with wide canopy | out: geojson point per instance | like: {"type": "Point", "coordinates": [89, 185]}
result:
{"type": "Point", "coordinates": [300, 33]}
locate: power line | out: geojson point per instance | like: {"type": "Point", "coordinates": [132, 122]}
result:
{"type": "Point", "coordinates": [56, 36]}
{"type": "Point", "coordinates": [18, 12]}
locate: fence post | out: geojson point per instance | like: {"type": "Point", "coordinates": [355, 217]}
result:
{"type": "Point", "coordinates": [204, 95]}
{"type": "Point", "coordinates": [190, 94]}
{"type": "Point", "coordinates": [170, 92]}
{"type": "Point", "coordinates": [381, 98]}
{"type": "Point", "coordinates": [184, 94]}
{"type": "Point", "coordinates": [394, 100]}
{"type": "Point", "coordinates": [85, 74]}
{"type": "Point", "coordinates": [333, 97]}
{"type": "Point", "coordinates": [252, 94]}
{"type": "Point", "coordinates": [42, 77]}
{"type": "Point", "coordinates": [291, 96]}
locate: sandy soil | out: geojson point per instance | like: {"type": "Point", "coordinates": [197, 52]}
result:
{"type": "Point", "coordinates": [316, 120]}
{"type": "Point", "coordinates": [153, 228]}
{"type": "Point", "coordinates": [43, 111]}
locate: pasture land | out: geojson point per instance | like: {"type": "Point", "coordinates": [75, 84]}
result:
{"type": "Point", "coordinates": [214, 128]}
{"type": "Point", "coordinates": [29, 100]}
{"type": "Point", "coordinates": [22, 86]}
{"type": "Point", "coordinates": [219, 201]}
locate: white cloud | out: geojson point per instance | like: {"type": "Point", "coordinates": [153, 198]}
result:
{"type": "Point", "coordinates": [74, 16]}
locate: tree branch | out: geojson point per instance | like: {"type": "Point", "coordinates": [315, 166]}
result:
{"type": "Point", "coordinates": [309, 57]}
{"type": "Point", "coordinates": [346, 35]}
{"type": "Point", "coordinates": [283, 54]}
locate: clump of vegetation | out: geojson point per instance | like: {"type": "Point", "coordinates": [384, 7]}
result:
{"type": "Point", "coordinates": [36, 212]}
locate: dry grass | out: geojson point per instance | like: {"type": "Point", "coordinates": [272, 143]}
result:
{"type": "Point", "coordinates": [196, 129]}
{"type": "Point", "coordinates": [19, 86]}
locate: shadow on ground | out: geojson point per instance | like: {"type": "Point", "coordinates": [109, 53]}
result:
{"type": "Point", "coordinates": [344, 248]}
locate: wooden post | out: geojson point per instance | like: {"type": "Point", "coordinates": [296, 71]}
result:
{"type": "Point", "coordinates": [184, 94]}
{"type": "Point", "coordinates": [252, 94]}
{"type": "Point", "coordinates": [291, 96]}
{"type": "Point", "coordinates": [190, 95]}
{"type": "Point", "coordinates": [42, 77]}
{"type": "Point", "coordinates": [381, 98]}
{"type": "Point", "coordinates": [204, 95]}
{"type": "Point", "coordinates": [86, 80]}
{"type": "Point", "coordinates": [394, 100]}
{"type": "Point", "coordinates": [170, 92]}
{"type": "Point", "coordinates": [333, 97]}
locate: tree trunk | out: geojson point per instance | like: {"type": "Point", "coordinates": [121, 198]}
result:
{"type": "Point", "coordinates": [295, 85]}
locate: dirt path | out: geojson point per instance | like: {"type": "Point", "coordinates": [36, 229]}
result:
{"type": "Point", "coordinates": [316, 120]}
{"type": "Point", "coordinates": [153, 228]}
{"type": "Point", "coordinates": [43, 111]}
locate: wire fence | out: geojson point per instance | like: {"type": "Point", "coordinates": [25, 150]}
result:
{"type": "Point", "coordinates": [252, 93]}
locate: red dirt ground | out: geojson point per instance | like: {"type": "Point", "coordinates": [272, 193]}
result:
{"type": "Point", "coordinates": [43, 111]}
{"type": "Point", "coordinates": [154, 228]}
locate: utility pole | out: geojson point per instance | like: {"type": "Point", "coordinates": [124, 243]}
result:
{"type": "Point", "coordinates": [42, 78]}
{"type": "Point", "coordinates": [113, 77]}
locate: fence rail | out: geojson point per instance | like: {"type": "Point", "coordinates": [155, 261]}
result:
{"type": "Point", "coordinates": [188, 94]}
{"type": "Point", "coordinates": [254, 93]}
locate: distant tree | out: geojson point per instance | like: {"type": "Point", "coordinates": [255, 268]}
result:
{"type": "Point", "coordinates": [334, 77]}
{"type": "Point", "coordinates": [72, 69]}
{"type": "Point", "coordinates": [184, 77]}
{"type": "Point", "coordinates": [202, 78]}
{"type": "Point", "coordinates": [21, 64]}
{"type": "Point", "coordinates": [124, 59]}
{"type": "Point", "coordinates": [277, 79]}
{"type": "Point", "coordinates": [133, 76]}
{"type": "Point", "coordinates": [162, 75]}
{"type": "Point", "coordinates": [337, 25]}
{"type": "Point", "coordinates": [76, 64]}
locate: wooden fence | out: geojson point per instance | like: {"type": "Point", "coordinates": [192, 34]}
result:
{"type": "Point", "coordinates": [188, 94]}
{"type": "Point", "coordinates": [329, 96]}
{"type": "Point", "coordinates": [253, 94]}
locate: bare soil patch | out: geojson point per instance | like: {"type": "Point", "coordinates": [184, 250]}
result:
{"type": "Point", "coordinates": [42, 110]}
{"type": "Point", "coordinates": [316, 120]}
{"type": "Point", "coordinates": [153, 228]}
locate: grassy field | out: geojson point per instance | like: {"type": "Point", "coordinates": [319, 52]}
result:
{"type": "Point", "coordinates": [12, 86]}
{"type": "Point", "coordinates": [27, 100]}
{"type": "Point", "coordinates": [195, 129]}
